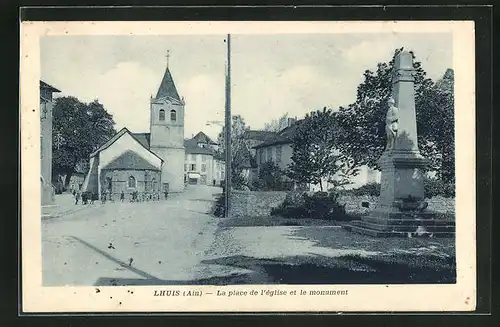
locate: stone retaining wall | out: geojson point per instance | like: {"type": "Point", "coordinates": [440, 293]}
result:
{"type": "Point", "coordinates": [259, 204]}
{"type": "Point", "coordinates": [254, 203]}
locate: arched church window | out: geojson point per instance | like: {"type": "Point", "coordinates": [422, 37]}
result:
{"type": "Point", "coordinates": [162, 114]}
{"type": "Point", "coordinates": [173, 115]}
{"type": "Point", "coordinates": [131, 181]}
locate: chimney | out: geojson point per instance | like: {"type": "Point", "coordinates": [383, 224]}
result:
{"type": "Point", "coordinates": [291, 121]}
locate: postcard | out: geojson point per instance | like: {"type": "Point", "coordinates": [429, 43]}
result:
{"type": "Point", "coordinates": [190, 166]}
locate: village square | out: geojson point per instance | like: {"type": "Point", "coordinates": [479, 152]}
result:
{"type": "Point", "coordinates": [360, 193]}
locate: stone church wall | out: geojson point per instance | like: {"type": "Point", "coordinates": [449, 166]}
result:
{"type": "Point", "coordinates": [120, 179]}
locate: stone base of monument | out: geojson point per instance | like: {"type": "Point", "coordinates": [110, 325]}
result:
{"type": "Point", "coordinates": [402, 224]}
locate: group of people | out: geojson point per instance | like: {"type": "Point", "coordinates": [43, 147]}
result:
{"type": "Point", "coordinates": [86, 197]}
{"type": "Point", "coordinates": [89, 198]}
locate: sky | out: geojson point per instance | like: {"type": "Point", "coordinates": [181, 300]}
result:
{"type": "Point", "coordinates": [270, 74]}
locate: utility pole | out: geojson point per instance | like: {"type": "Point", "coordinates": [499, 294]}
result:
{"type": "Point", "coordinates": [228, 127]}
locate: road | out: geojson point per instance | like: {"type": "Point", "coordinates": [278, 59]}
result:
{"type": "Point", "coordinates": [130, 243]}
{"type": "Point", "coordinates": [178, 242]}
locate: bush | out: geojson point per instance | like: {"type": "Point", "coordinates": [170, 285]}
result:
{"type": "Point", "coordinates": [372, 189]}
{"type": "Point", "coordinates": [238, 181]}
{"type": "Point", "coordinates": [289, 212]}
{"type": "Point", "coordinates": [435, 187]}
{"type": "Point", "coordinates": [295, 198]}
{"type": "Point", "coordinates": [257, 185]}
{"type": "Point", "coordinates": [271, 178]}
{"type": "Point", "coordinates": [320, 205]}
{"type": "Point", "coordinates": [220, 206]}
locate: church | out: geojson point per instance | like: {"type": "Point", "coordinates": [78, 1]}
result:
{"type": "Point", "coordinates": [146, 163]}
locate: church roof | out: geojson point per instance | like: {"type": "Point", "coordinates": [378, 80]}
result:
{"type": "Point", "coordinates": [203, 138]}
{"type": "Point", "coordinates": [131, 161]}
{"type": "Point", "coordinates": [143, 138]}
{"type": "Point", "coordinates": [167, 87]}
{"type": "Point", "coordinates": [112, 140]}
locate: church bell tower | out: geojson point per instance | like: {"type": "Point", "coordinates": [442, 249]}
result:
{"type": "Point", "coordinates": [167, 132]}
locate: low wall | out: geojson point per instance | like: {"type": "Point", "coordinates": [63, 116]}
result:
{"type": "Point", "coordinates": [254, 203]}
{"type": "Point", "coordinates": [353, 203]}
{"type": "Point", "coordinates": [259, 203]}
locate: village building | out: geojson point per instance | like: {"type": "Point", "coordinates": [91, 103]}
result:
{"type": "Point", "coordinates": [277, 147]}
{"type": "Point", "coordinates": [204, 165]}
{"type": "Point", "coordinates": [146, 163]}
{"type": "Point", "coordinates": [46, 105]}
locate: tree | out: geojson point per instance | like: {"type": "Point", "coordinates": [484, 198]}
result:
{"type": "Point", "coordinates": [78, 129]}
{"type": "Point", "coordinates": [277, 125]}
{"type": "Point", "coordinates": [363, 121]}
{"type": "Point", "coordinates": [270, 177]}
{"type": "Point", "coordinates": [438, 137]}
{"type": "Point", "coordinates": [315, 157]}
{"type": "Point", "coordinates": [241, 156]}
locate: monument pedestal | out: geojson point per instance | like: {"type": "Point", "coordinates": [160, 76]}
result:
{"type": "Point", "coordinates": [401, 210]}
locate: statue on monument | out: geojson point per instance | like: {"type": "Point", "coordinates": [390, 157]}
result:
{"type": "Point", "coordinates": [391, 124]}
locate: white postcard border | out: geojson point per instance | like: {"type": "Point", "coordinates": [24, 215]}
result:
{"type": "Point", "coordinates": [458, 297]}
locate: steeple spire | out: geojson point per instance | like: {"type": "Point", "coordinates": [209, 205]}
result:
{"type": "Point", "coordinates": [167, 86]}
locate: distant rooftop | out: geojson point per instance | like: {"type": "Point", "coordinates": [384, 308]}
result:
{"type": "Point", "coordinates": [44, 85]}
{"type": "Point", "coordinates": [285, 136]}
{"type": "Point", "coordinates": [192, 147]}
{"type": "Point", "coordinates": [259, 135]}
{"type": "Point", "coordinates": [203, 138]}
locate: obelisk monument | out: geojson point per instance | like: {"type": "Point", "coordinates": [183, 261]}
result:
{"type": "Point", "coordinates": [401, 162]}
{"type": "Point", "coordinates": [401, 208]}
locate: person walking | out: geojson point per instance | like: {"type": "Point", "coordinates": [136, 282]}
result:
{"type": "Point", "coordinates": [122, 196]}
{"type": "Point", "coordinates": [77, 197]}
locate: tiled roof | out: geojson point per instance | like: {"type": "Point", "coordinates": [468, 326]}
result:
{"type": "Point", "coordinates": [143, 138]}
{"type": "Point", "coordinates": [259, 135]}
{"type": "Point", "coordinates": [202, 137]}
{"type": "Point", "coordinates": [167, 87]}
{"type": "Point", "coordinates": [192, 147]}
{"type": "Point", "coordinates": [130, 160]}
{"type": "Point", "coordinates": [47, 86]}
{"type": "Point", "coordinates": [285, 136]}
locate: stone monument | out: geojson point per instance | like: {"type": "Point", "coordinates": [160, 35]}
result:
{"type": "Point", "coordinates": [401, 208]}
